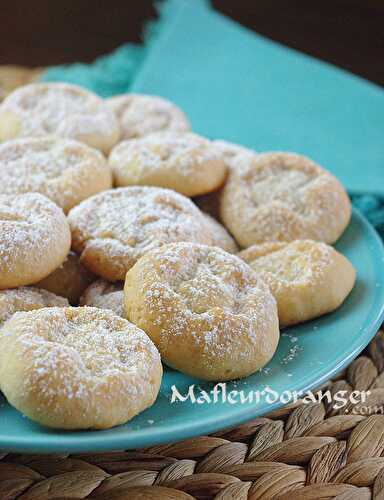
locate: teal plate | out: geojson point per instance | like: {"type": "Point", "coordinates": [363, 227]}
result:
{"type": "Point", "coordinates": [307, 356]}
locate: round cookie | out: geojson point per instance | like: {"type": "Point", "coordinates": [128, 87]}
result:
{"type": "Point", "coordinates": [113, 229]}
{"type": "Point", "coordinates": [65, 171]}
{"type": "Point", "coordinates": [58, 109]}
{"type": "Point", "coordinates": [221, 237]}
{"type": "Point", "coordinates": [69, 280]}
{"type": "Point", "coordinates": [140, 115]}
{"type": "Point", "coordinates": [105, 295]}
{"type": "Point", "coordinates": [77, 367]}
{"type": "Point", "coordinates": [307, 278]}
{"type": "Point", "coordinates": [34, 239]}
{"type": "Point", "coordinates": [283, 197]}
{"type": "Point", "coordinates": [26, 298]}
{"type": "Point", "coordinates": [187, 163]}
{"type": "Point", "coordinates": [208, 313]}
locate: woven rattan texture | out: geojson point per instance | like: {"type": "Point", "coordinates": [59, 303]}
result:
{"type": "Point", "coordinates": [304, 451]}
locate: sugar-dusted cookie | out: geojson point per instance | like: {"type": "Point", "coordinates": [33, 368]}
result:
{"type": "Point", "coordinates": [221, 237]}
{"type": "Point", "coordinates": [105, 295]}
{"type": "Point", "coordinates": [77, 367]}
{"type": "Point", "coordinates": [13, 76]}
{"type": "Point", "coordinates": [233, 155]}
{"type": "Point", "coordinates": [307, 278]}
{"type": "Point", "coordinates": [187, 163]}
{"type": "Point", "coordinates": [64, 170]}
{"type": "Point", "coordinates": [69, 280]}
{"type": "Point", "coordinates": [140, 115]}
{"type": "Point", "coordinates": [113, 229]}
{"type": "Point", "coordinates": [283, 197]}
{"type": "Point", "coordinates": [34, 239]}
{"type": "Point", "coordinates": [58, 109]}
{"type": "Point", "coordinates": [27, 298]}
{"type": "Point", "coordinates": [230, 150]}
{"type": "Point", "coordinates": [207, 312]}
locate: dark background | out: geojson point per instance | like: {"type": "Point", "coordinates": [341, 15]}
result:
{"type": "Point", "coordinates": [348, 33]}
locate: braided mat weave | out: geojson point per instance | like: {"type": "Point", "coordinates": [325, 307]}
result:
{"type": "Point", "coordinates": [303, 451]}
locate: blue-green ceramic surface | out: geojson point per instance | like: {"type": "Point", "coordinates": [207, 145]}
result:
{"type": "Point", "coordinates": [307, 355]}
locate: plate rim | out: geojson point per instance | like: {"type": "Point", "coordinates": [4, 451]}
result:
{"type": "Point", "coordinates": [102, 441]}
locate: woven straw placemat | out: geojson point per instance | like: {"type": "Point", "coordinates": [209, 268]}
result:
{"type": "Point", "coordinates": [303, 451]}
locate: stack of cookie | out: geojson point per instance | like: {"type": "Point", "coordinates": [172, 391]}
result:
{"type": "Point", "coordinates": [120, 238]}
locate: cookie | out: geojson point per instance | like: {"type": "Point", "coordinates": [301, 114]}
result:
{"type": "Point", "coordinates": [64, 170]}
{"type": "Point", "coordinates": [207, 312]}
{"type": "Point", "coordinates": [12, 76]}
{"type": "Point", "coordinates": [77, 367]}
{"type": "Point", "coordinates": [27, 298]}
{"type": "Point", "coordinates": [34, 239]}
{"type": "Point", "coordinates": [58, 109]}
{"type": "Point", "coordinates": [233, 155]}
{"type": "Point", "coordinates": [187, 163]}
{"type": "Point", "coordinates": [105, 295]}
{"type": "Point", "coordinates": [69, 280]}
{"type": "Point", "coordinates": [140, 115]}
{"type": "Point", "coordinates": [283, 197]}
{"type": "Point", "coordinates": [113, 229]}
{"type": "Point", "coordinates": [307, 278]}
{"type": "Point", "coordinates": [221, 237]}
{"type": "Point", "coordinates": [230, 151]}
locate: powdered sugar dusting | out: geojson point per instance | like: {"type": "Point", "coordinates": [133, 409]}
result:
{"type": "Point", "coordinates": [210, 297]}
{"type": "Point", "coordinates": [140, 115]}
{"type": "Point", "coordinates": [221, 237]}
{"type": "Point", "coordinates": [282, 197]}
{"type": "Point", "coordinates": [123, 224]}
{"type": "Point", "coordinates": [301, 262]}
{"type": "Point", "coordinates": [47, 165]}
{"type": "Point", "coordinates": [183, 153]}
{"type": "Point", "coordinates": [105, 296]}
{"type": "Point", "coordinates": [27, 299]}
{"type": "Point", "coordinates": [59, 109]}
{"type": "Point", "coordinates": [84, 360]}
{"type": "Point", "coordinates": [30, 226]}
{"type": "Point", "coordinates": [230, 151]}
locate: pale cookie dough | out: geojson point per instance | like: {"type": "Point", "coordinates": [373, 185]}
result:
{"type": "Point", "coordinates": [307, 278]}
{"type": "Point", "coordinates": [77, 367]}
{"type": "Point", "coordinates": [113, 229]}
{"type": "Point", "coordinates": [69, 280]}
{"type": "Point", "coordinates": [26, 298]}
{"type": "Point", "coordinates": [58, 109]}
{"type": "Point", "coordinates": [208, 313]}
{"type": "Point", "coordinates": [187, 163]}
{"type": "Point", "coordinates": [64, 170]}
{"type": "Point", "coordinates": [105, 295]}
{"type": "Point", "coordinates": [221, 237]}
{"type": "Point", "coordinates": [34, 239]}
{"type": "Point", "coordinates": [283, 197]}
{"type": "Point", "coordinates": [140, 115]}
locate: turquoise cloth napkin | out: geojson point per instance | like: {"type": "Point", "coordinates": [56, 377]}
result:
{"type": "Point", "coordinates": [238, 86]}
